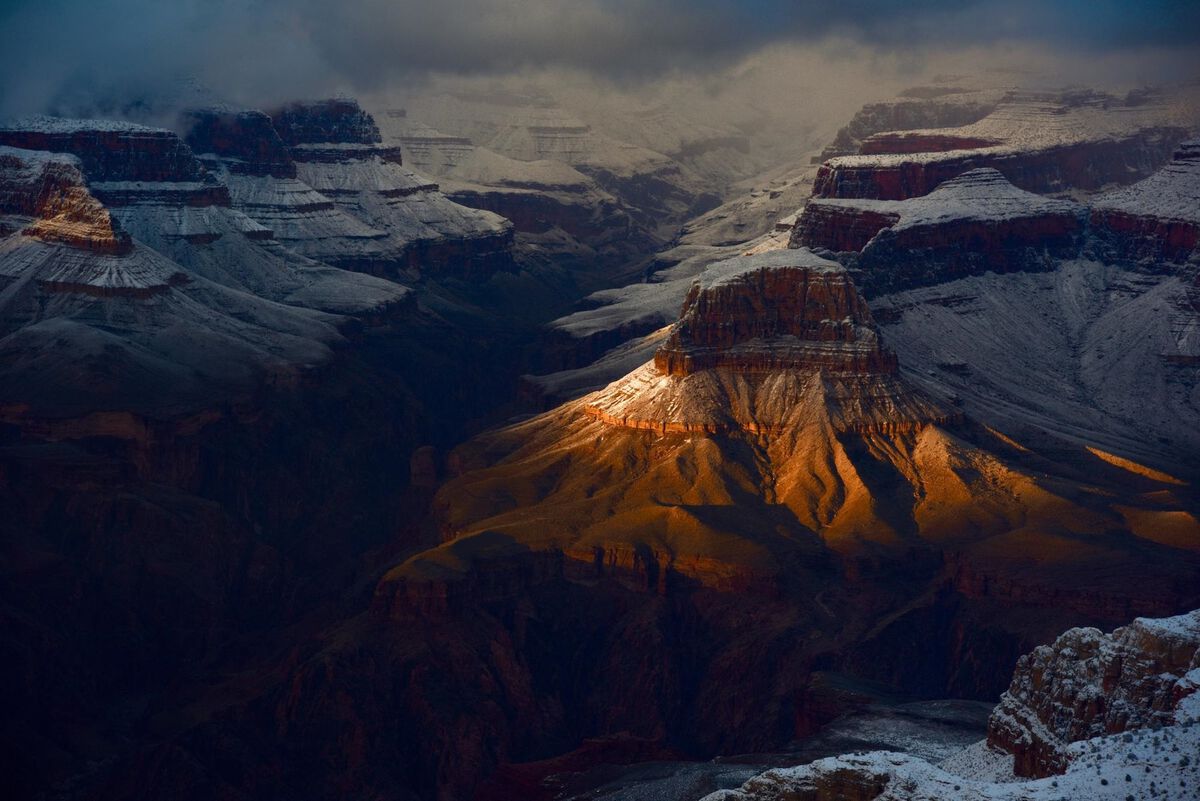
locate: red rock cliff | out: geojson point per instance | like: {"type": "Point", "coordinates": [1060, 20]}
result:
{"type": "Point", "coordinates": [792, 311]}
{"type": "Point", "coordinates": [1088, 684]}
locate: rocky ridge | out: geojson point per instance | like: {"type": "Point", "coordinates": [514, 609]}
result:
{"type": "Point", "coordinates": [974, 223]}
{"type": "Point", "coordinates": [1156, 220]}
{"type": "Point", "coordinates": [186, 213]}
{"type": "Point", "coordinates": [339, 152]}
{"type": "Point", "coordinates": [1041, 142]}
{"type": "Point", "coordinates": [1088, 684]}
{"type": "Point", "coordinates": [935, 106]}
{"type": "Point", "coordinates": [94, 319]}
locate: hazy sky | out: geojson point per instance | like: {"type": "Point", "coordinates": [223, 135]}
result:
{"type": "Point", "coordinates": [269, 49]}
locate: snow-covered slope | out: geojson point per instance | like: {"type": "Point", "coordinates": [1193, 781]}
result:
{"type": "Point", "coordinates": [339, 152]}
{"type": "Point", "coordinates": [162, 195]}
{"type": "Point", "coordinates": [244, 150]}
{"type": "Point", "coordinates": [93, 320]}
{"type": "Point", "coordinates": [1156, 220]}
{"type": "Point", "coordinates": [1090, 352]}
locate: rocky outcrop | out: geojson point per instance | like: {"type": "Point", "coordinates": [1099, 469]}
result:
{"type": "Point", "coordinates": [1156, 220]}
{"type": "Point", "coordinates": [108, 151]}
{"type": "Point", "coordinates": [185, 212]}
{"type": "Point", "coordinates": [658, 191]}
{"type": "Point", "coordinates": [763, 343]}
{"type": "Point", "coordinates": [339, 153]}
{"type": "Point", "coordinates": [93, 321]}
{"type": "Point", "coordinates": [168, 450]}
{"type": "Point", "coordinates": [839, 226]}
{"type": "Point", "coordinates": [1088, 684]}
{"type": "Point", "coordinates": [50, 189]}
{"type": "Point", "coordinates": [1041, 143]}
{"type": "Point", "coordinates": [1099, 716]}
{"type": "Point", "coordinates": [772, 312]}
{"type": "Point", "coordinates": [971, 224]}
{"type": "Point", "coordinates": [425, 149]}
{"type": "Point", "coordinates": [244, 140]}
{"type": "Point", "coordinates": [335, 121]}
{"type": "Point", "coordinates": [923, 107]}
{"type": "Point", "coordinates": [538, 196]}
{"type": "Point", "coordinates": [244, 148]}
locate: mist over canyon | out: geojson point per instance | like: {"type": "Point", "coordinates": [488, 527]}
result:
{"type": "Point", "coordinates": [599, 399]}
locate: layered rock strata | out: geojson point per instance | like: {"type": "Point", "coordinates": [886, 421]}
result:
{"type": "Point", "coordinates": [1042, 143]}
{"type": "Point", "coordinates": [246, 151]}
{"type": "Point", "coordinates": [184, 211]}
{"type": "Point", "coordinates": [94, 320]}
{"type": "Point", "coordinates": [971, 224]}
{"type": "Point", "coordinates": [339, 153]}
{"type": "Point", "coordinates": [1156, 220]}
{"type": "Point", "coordinates": [758, 335]}
{"type": "Point", "coordinates": [923, 107]}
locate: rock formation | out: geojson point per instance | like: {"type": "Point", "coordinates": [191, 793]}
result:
{"type": "Point", "coordinates": [1040, 142]}
{"type": "Point", "coordinates": [110, 151]}
{"type": "Point", "coordinates": [771, 463]}
{"type": "Point", "coordinates": [971, 224]}
{"type": "Point", "coordinates": [184, 212]}
{"type": "Point", "coordinates": [93, 320]}
{"type": "Point", "coordinates": [920, 107]}
{"type": "Point", "coordinates": [1088, 684]}
{"type": "Point", "coordinates": [759, 335]}
{"type": "Point", "coordinates": [659, 191]}
{"type": "Point", "coordinates": [1156, 220]}
{"type": "Point", "coordinates": [339, 152]}
{"type": "Point", "coordinates": [537, 196]}
{"type": "Point", "coordinates": [1091, 716]}
{"type": "Point", "coordinates": [246, 151]}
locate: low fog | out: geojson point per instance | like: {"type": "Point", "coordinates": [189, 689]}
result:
{"type": "Point", "coordinates": [788, 73]}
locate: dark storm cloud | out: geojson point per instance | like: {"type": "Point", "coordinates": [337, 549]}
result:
{"type": "Point", "coordinates": [257, 48]}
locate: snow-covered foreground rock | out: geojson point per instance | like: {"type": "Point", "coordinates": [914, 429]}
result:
{"type": "Point", "coordinates": [1088, 684]}
{"type": "Point", "coordinates": [1096, 716]}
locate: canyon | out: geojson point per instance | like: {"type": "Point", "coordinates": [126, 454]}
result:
{"type": "Point", "coordinates": [486, 447]}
